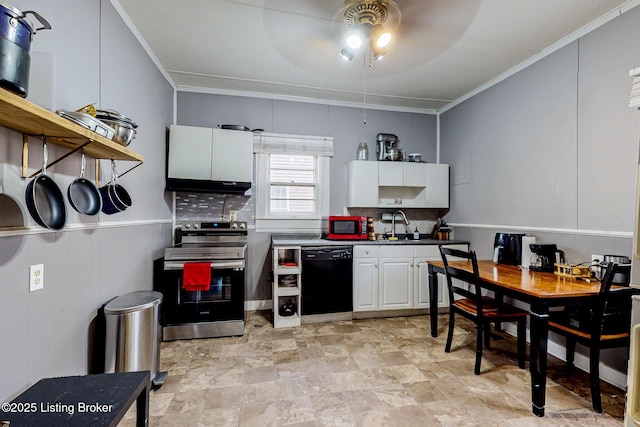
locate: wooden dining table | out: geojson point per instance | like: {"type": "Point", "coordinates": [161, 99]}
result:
{"type": "Point", "coordinates": [541, 290]}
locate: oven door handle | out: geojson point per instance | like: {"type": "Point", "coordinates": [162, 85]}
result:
{"type": "Point", "coordinates": [216, 265]}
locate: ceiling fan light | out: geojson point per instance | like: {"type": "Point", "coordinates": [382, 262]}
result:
{"type": "Point", "coordinates": [383, 40]}
{"type": "Point", "coordinates": [354, 41]}
{"type": "Point", "coordinates": [380, 36]}
{"type": "Point", "coordinates": [346, 54]}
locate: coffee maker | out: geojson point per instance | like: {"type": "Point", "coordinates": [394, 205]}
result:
{"type": "Point", "coordinates": [386, 147]}
{"type": "Point", "coordinates": [544, 257]}
{"type": "Point", "coordinates": [507, 248]}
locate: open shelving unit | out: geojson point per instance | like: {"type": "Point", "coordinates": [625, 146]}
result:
{"type": "Point", "coordinates": [30, 119]}
{"type": "Point", "coordinates": [286, 284]}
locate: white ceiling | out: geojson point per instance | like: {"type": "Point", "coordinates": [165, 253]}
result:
{"type": "Point", "coordinates": [288, 49]}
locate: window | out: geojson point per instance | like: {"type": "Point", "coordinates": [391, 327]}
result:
{"type": "Point", "coordinates": [292, 182]}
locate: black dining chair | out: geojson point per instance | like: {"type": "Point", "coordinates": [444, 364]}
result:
{"type": "Point", "coordinates": [604, 323]}
{"type": "Point", "coordinates": [482, 310]}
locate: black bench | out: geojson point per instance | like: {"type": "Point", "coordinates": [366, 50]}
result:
{"type": "Point", "coordinates": [87, 400]}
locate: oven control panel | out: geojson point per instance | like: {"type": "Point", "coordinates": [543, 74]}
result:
{"type": "Point", "coordinates": [209, 226]}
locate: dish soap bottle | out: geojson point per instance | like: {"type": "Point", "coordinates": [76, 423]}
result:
{"type": "Point", "coordinates": [416, 234]}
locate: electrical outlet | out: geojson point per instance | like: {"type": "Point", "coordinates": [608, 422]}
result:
{"type": "Point", "coordinates": [36, 277]}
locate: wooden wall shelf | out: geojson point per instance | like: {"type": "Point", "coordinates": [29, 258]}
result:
{"type": "Point", "coordinates": [30, 119]}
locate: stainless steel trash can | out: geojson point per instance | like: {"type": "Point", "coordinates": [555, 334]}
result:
{"type": "Point", "coordinates": [133, 334]}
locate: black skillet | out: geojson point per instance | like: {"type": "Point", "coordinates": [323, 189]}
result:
{"type": "Point", "coordinates": [44, 199]}
{"type": "Point", "coordinates": [240, 127]}
{"type": "Point", "coordinates": [83, 195]}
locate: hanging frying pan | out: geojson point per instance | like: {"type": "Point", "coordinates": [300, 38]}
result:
{"type": "Point", "coordinates": [44, 199]}
{"type": "Point", "coordinates": [83, 195]}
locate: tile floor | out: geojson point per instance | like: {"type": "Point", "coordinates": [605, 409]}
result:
{"type": "Point", "coordinates": [374, 372]}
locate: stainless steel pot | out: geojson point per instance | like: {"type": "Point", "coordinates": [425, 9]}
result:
{"type": "Point", "coordinates": [16, 34]}
{"type": "Point", "coordinates": [123, 133]}
{"type": "Point", "coordinates": [124, 128]}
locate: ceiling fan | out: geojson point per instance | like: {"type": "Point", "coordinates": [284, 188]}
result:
{"type": "Point", "coordinates": [358, 21]}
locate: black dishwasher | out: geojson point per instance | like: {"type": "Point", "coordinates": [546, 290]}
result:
{"type": "Point", "coordinates": [327, 279]}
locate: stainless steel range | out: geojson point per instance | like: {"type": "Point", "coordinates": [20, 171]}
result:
{"type": "Point", "coordinates": [217, 309]}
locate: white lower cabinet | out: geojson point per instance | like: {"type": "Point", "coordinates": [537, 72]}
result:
{"type": "Point", "coordinates": [396, 277]}
{"type": "Point", "coordinates": [365, 278]}
{"type": "Point", "coordinates": [387, 277]}
{"type": "Point", "coordinates": [421, 277]}
{"type": "Point", "coordinates": [421, 286]}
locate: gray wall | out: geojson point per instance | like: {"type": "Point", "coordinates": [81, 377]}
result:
{"type": "Point", "coordinates": [416, 133]}
{"type": "Point", "coordinates": [552, 150]}
{"type": "Point", "coordinates": [88, 57]}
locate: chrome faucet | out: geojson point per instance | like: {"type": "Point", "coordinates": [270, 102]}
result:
{"type": "Point", "coordinates": [393, 224]}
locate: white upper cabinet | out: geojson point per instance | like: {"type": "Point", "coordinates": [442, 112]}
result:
{"type": "Point", "coordinates": [379, 184]}
{"type": "Point", "coordinates": [390, 174]}
{"type": "Point", "coordinates": [362, 183]}
{"type": "Point", "coordinates": [414, 174]}
{"type": "Point", "coordinates": [402, 174]}
{"type": "Point", "coordinates": [437, 185]}
{"type": "Point", "coordinates": [232, 156]}
{"type": "Point", "coordinates": [190, 152]}
{"type": "Point", "coordinates": [199, 153]}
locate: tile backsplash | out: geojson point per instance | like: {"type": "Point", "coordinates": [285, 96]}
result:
{"type": "Point", "coordinates": [216, 207]}
{"type": "Point", "coordinates": [213, 207]}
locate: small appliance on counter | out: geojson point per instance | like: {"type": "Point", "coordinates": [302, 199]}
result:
{"type": "Point", "coordinates": [507, 248]}
{"type": "Point", "coordinates": [545, 257]}
{"type": "Point", "coordinates": [338, 227]}
{"type": "Point", "coordinates": [387, 147]}
{"type": "Point", "coordinates": [525, 259]}
{"type": "Point", "coordinates": [624, 276]}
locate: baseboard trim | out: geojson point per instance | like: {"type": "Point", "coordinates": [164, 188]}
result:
{"type": "Point", "coordinates": [258, 305]}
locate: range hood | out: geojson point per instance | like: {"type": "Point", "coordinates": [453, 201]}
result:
{"type": "Point", "coordinates": [206, 186]}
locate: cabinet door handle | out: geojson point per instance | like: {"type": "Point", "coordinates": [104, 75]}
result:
{"type": "Point", "coordinates": [375, 265]}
